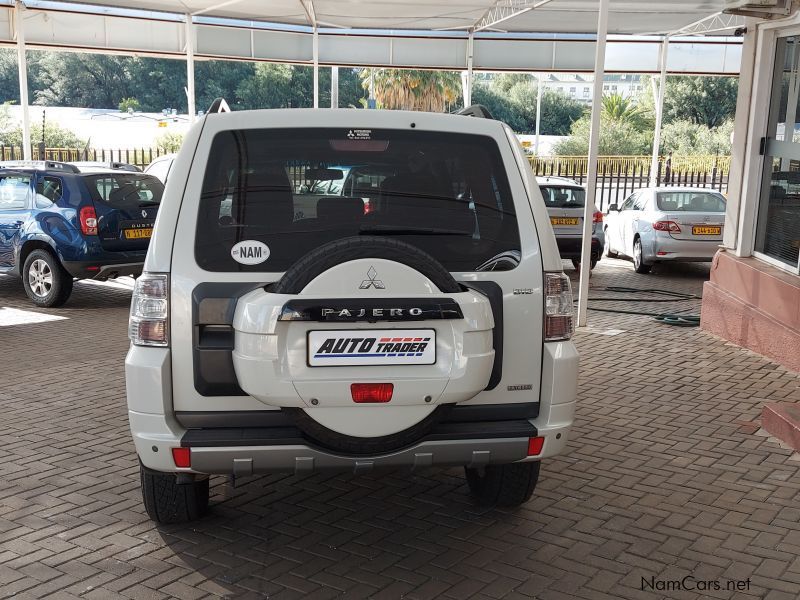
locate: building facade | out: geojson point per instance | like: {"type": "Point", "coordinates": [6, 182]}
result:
{"type": "Point", "coordinates": [579, 87]}
{"type": "Point", "coordinates": [753, 296]}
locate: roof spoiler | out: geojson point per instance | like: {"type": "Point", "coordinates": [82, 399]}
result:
{"type": "Point", "coordinates": [42, 165]}
{"type": "Point", "coordinates": [476, 110]}
{"type": "Point", "coordinates": [218, 106]}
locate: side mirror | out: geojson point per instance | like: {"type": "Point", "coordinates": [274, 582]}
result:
{"type": "Point", "coordinates": [613, 207]}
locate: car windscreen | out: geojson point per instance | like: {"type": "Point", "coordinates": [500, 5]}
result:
{"type": "Point", "coordinates": [445, 193]}
{"type": "Point", "coordinates": [690, 201]}
{"type": "Point", "coordinates": [563, 197]}
{"type": "Point", "coordinates": [125, 190]}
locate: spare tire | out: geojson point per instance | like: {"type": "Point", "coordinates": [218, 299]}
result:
{"type": "Point", "coordinates": [316, 262]}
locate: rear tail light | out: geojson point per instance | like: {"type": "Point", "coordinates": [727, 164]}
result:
{"type": "Point", "coordinates": [367, 207]}
{"type": "Point", "coordinates": [670, 226]}
{"type": "Point", "coordinates": [535, 445]}
{"type": "Point", "coordinates": [597, 217]}
{"type": "Point", "coordinates": [88, 219]}
{"type": "Point", "coordinates": [365, 393]}
{"type": "Point", "coordinates": [182, 457]}
{"type": "Point", "coordinates": [149, 320]}
{"type": "Point", "coordinates": [559, 317]}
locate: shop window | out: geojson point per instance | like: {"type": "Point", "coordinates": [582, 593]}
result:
{"type": "Point", "coordinates": [778, 221]}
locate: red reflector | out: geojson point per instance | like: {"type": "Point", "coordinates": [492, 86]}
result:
{"type": "Point", "coordinates": [92, 268]}
{"type": "Point", "coordinates": [182, 457]}
{"type": "Point", "coordinates": [662, 253]}
{"type": "Point", "coordinates": [371, 392]}
{"type": "Point", "coordinates": [535, 446]}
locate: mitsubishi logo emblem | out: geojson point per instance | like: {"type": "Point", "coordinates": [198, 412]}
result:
{"type": "Point", "coordinates": [372, 281]}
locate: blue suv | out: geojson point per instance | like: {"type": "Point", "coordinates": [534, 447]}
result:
{"type": "Point", "coordinates": [61, 221]}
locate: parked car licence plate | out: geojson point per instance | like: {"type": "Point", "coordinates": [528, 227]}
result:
{"type": "Point", "coordinates": [706, 230]}
{"type": "Point", "coordinates": [361, 347]}
{"type": "Point", "coordinates": [564, 221]}
{"type": "Point", "coordinates": [136, 234]}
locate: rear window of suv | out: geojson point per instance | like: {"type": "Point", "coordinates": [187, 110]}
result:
{"type": "Point", "coordinates": [563, 197]}
{"type": "Point", "coordinates": [125, 190]}
{"type": "Point", "coordinates": [446, 193]}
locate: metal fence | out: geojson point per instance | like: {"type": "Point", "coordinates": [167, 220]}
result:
{"type": "Point", "coordinates": [619, 176]}
{"type": "Point", "coordinates": [141, 157]}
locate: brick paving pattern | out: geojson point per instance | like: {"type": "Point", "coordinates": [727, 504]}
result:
{"type": "Point", "coordinates": [667, 476]}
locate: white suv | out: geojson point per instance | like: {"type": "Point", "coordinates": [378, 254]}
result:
{"type": "Point", "coordinates": [431, 329]}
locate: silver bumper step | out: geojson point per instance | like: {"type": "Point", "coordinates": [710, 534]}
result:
{"type": "Point", "coordinates": [249, 460]}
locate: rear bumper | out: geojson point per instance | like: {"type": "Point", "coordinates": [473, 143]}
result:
{"type": "Point", "coordinates": [669, 249]}
{"type": "Point", "coordinates": [570, 247]}
{"type": "Point", "coordinates": [247, 451]}
{"type": "Point", "coordinates": [243, 447]}
{"type": "Point", "coordinates": [103, 269]}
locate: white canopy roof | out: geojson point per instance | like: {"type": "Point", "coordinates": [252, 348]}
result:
{"type": "Point", "coordinates": [540, 16]}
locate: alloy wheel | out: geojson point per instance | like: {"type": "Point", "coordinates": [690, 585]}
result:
{"type": "Point", "coordinates": [40, 278]}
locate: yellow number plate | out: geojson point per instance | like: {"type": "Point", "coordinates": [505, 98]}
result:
{"type": "Point", "coordinates": [137, 234]}
{"type": "Point", "coordinates": [705, 230]}
{"type": "Point", "coordinates": [563, 221]}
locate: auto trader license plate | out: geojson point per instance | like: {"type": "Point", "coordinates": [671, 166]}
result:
{"type": "Point", "coordinates": [563, 221]}
{"type": "Point", "coordinates": [362, 347]}
{"type": "Point", "coordinates": [137, 234]}
{"type": "Point", "coordinates": [706, 230]}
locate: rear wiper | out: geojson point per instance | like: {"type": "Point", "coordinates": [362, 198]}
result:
{"type": "Point", "coordinates": [411, 231]}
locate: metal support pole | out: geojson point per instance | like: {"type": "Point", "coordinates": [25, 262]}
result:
{"type": "Point", "coordinates": [539, 90]}
{"type": "Point", "coordinates": [316, 67]}
{"type": "Point", "coordinates": [662, 92]}
{"type": "Point", "coordinates": [468, 86]}
{"type": "Point", "coordinates": [190, 100]}
{"type": "Point", "coordinates": [594, 146]}
{"type": "Point", "coordinates": [334, 87]}
{"type": "Point", "coordinates": [22, 67]}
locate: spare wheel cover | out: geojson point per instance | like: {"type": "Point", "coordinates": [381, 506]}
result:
{"type": "Point", "coordinates": [317, 262]}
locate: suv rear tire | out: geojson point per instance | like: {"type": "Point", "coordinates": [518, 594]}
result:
{"type": "Point", "coordinates": [46, 282]}
{"type": "Point", "coordinates": [503, 485]}
{"type": "Point", "coordinates": [166, 501]}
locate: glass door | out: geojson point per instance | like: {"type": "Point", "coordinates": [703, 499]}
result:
{"type": "Point", "coordinates": [778, 220]}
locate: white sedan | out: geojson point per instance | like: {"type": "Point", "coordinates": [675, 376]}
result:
{"type": "Point", "coordinates": [666, 224]}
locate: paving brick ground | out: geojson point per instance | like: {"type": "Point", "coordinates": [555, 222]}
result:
{"type": "Point", "coordinates": [666, 477]}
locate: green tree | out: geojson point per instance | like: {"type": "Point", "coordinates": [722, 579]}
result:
{"type": "Point", "coordinates": [410, 89]}
{"type": "Point", "coordinates": [625, 110]}
{"type": "Point", "coordinates": [169, 141]}
{"type": "Point", "coordinates": [686, 138]}
{"type": "Point", "coordinates": [617, 138]}
{"type": "Point", "coordinates": [55, 136]}
{"type": "Point", "coordinates": [708, 101]}
{"type": "Point", "coordinates": [129, 104]}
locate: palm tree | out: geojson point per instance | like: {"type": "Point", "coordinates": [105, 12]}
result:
{"type": "Point", "coordinates": [617, 107]}
{"type": "Point", "coordinates": [409, 89]}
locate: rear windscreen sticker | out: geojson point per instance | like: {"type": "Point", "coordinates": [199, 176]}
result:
{"type": "Point", "coordinates": [359, 134]}
{"type": "Point", "coordinates": [250, 252]}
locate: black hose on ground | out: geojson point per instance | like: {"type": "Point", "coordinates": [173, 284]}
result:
{"type": "Point", "coordinates": [675, 319]}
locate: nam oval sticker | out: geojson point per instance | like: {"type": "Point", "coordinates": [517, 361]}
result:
{"type": "Point", "coordinates": [250, 252]}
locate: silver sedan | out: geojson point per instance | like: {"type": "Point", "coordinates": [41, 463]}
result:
{"type": "Point", "coordinates": [666, 224]}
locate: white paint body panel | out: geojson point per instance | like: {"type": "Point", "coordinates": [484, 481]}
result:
{"type": "Point", "coordinates": [161, 380]}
